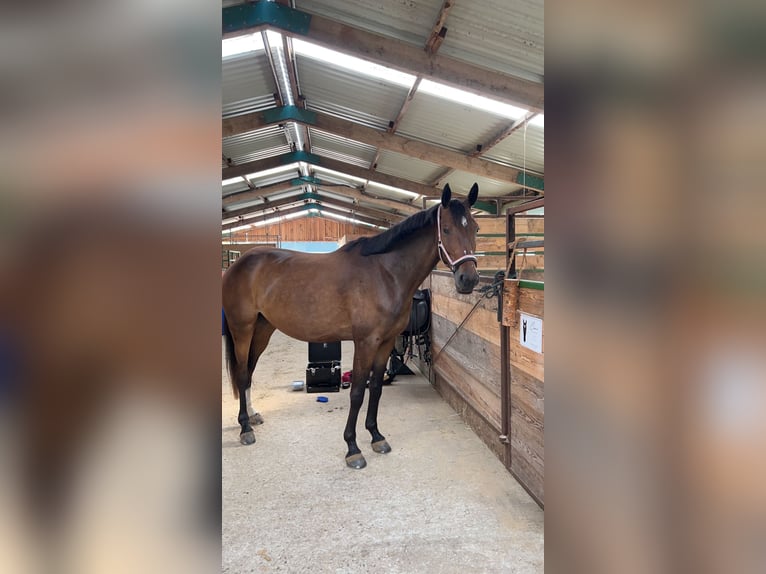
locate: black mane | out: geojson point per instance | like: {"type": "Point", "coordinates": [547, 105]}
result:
{"type": "Point", "coordinates": [387, 240]}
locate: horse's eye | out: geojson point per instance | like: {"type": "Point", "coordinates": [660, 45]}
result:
{"type": "Point", "coordinates": [445, 231]}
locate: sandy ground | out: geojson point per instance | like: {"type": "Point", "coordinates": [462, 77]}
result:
{"type": "Point", "coordinates": [440, 502]}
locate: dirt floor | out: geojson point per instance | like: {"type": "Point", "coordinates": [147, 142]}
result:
{"type": "Point", "coordinates": [440, 502]}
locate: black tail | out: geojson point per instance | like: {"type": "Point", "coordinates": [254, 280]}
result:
{"type": "Point", "coordinates": [231, 357]}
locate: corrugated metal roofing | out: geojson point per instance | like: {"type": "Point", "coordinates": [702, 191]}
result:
{"type": "Point", "coordinates": [234, 187]}
{"type": "Point", "coordinates": [495, 34]}
{"type": "Point", "coordinates": [336, 147]}
{"type": "Point", "coordinates": [503, 35]}
{"type": "Point", "coordinates": [277, 175]}
{"type": "Point", "coordinates": [407, 167]}
{"type": "Point", "coordinates": [512, 150]}
{"type": "Point", "coordinates": [401, 19]}
{"type": "Point", "coordinates": [461, 182]}
{"type": "Point", "coordinates": [258, 144]}
{"type": "Point", "coordinates": [448, 124]}
{"type": "Point", "coordinates": [342, 93]}
{"type": "Point", "coordinates": [247, 84]}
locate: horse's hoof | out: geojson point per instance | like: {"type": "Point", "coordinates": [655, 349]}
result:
{"type": "Point", "coordinates": [381, 446]}
{"type": "Point", "coordinates": [247, 437]}
{"type": "Point", "coordinates": [256, 419]}
{"type": "Point", "coordinates": [356, 461]}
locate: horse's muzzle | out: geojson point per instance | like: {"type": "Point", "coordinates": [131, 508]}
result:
{"type": "Point", "coordinates": [466, 277]}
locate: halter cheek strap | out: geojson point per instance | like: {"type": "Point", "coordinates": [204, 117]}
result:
{"type": "Point", "coordinates": [443, 255]}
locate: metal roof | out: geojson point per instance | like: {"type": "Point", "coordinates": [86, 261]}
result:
{"type": "Point", "coordinates": [409, 21]}
{"type": "Point", "coordinates": [504, 35]}
{"type": "Point", "coordinates": [520, 149]}
{"type": "Point", "coordinates": [496, 35]}
{"type": "Point", "coordinates": [448, 124]}
{"type": "Point", "coordinates": [342, 93]}
{"type": "Point", "coordinates": [247, 84]}
{"type": "Point", "coordinates": [337, 147]}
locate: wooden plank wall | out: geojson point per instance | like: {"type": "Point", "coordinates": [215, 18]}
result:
{"type": "Point", "coordinates": [527, 412]}
{"type": "Point", "coordinates": [467, 373]}
{"type": "Point", "coordinates": [304, 229]}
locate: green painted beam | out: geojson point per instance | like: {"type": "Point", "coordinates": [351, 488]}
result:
{"type": "Point", "coordinates": [531, 181]}
{"type": "Point", "coordinates": [262, 13]}
{"type": "Point", "coordinates": [539, 285]}
{"type": "Point", "coordinates": [306, 179]}
{"type": "Point", "coordinates": [295, 156]}
{"type": "Point", "coordinates": [487, 206]}
{"type": "Point", "coordinates": [289, 113]}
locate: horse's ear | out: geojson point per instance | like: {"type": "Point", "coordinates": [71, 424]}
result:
{"type": "Point", "coordinates": [473, 195]}
{"type": "Point", "coordinates": [446, 195]}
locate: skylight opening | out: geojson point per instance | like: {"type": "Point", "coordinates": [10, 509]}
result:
{"type": "Point", "coordinates": [353, 64]}
{"type": "Point", "coordinates": [538, 120]}
{"type": "Point", "coordinates": [241, 45]}
{"type": "Point", "coordinates": [233, 229]}
{"type": "Point", "coordinates": [472, 100]}
{"type": "Point", "coordinates": [231, 180]}
{"type": "Point", "coordinates": [373, 185]}
{"type": "Point", "coordinates": [279, 218]}
{"type": "Point", "coordinates": [349, 219]}
{"type": "Point", "coordinates": [273, 171]}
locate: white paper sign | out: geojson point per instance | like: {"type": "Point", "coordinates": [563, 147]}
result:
{"type": "Point", "coordinates": [531, 332]}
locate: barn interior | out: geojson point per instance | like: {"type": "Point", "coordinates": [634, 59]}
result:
{"type": "Point", "coordinates": [339, 120]}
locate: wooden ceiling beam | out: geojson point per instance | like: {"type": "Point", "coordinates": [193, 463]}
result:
{"type": "Point", "coordinates": [335, 165]}
{"type": "Point", "coordinates": [370, 136]}
{"type": "Point", "coordinates": [439, 30]}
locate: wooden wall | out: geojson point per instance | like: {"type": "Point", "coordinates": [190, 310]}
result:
{"type": "Point", "coordinates": [304, 229]}
{"type": "Point", "coordinates": [467, 373]}
{"type": "Point", "coordinates": [527, 404]}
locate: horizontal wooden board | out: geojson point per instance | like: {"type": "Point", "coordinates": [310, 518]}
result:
{"type": "Point", "coordinates": [490, 261]}
{"type": "Point", "coordinates": [490, 225]}
{"type": "Point", "coordinates": [473, 391]}
{"type": "Point", "coordinates": [530, 301]}
{"type": "Point", "coordinates": [483, 322]}
{"type": "Point", "coordinates": [526, 359]}
{"type": "Point", "coordinates": [525, 473]}
{"type": "Point", "coordinates": [475, 355]}
{"type": "Point", "coordinates": [491, 244]}
{"type": "Point", "coordinates": [526, 225]}
{"type": "Point", "coordinates": [486, 430]}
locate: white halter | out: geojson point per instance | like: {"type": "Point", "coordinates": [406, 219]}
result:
{"type": "Point", "coordinates": [443, 255]}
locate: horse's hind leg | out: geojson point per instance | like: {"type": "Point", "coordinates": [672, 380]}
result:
{"type": "Point", "coordinates": [243, 337]}
{"type": "Point", "coordinates": [261, 337]}
{"type": "Point", "coordinates": [379, 443]}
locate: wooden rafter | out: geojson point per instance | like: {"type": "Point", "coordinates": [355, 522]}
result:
{"type": "Point", "coordinates": [384, 140]}
{"type": "Point", "coordinates": [439, 30]}
{"type": "Point", "coordinates": [334, 165]}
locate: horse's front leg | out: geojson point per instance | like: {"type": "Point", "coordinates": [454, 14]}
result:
{"type": "Point", "coordinates": [364, 353]}
{"type": "Point", "coordinates": [379, 442]}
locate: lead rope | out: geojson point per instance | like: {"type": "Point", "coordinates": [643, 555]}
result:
{"type": "Point", "coordinates": [487, 292]}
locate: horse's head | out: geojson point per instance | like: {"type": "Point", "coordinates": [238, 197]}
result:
{"type": "Point", "coordinates": [456, 236]}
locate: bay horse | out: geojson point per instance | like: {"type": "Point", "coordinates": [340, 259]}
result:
{"type": "Point", "coordinates": [361, 292]}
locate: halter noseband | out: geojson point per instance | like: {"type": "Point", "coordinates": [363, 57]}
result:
{"type": "Point", "coordinates": [443, 255]}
